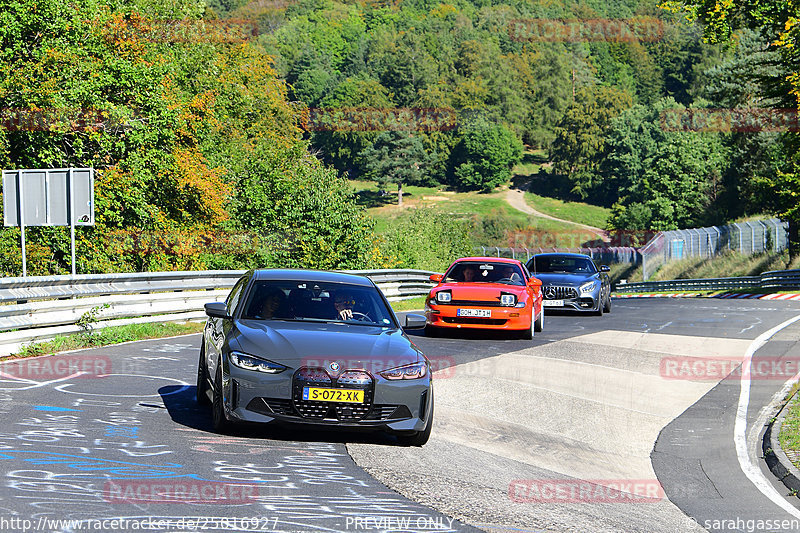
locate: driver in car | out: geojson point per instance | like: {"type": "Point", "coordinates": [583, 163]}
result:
{"type": "Point", "coordinates": [344, 303]}
{"type": "Point", "coordinates": [510, 274]}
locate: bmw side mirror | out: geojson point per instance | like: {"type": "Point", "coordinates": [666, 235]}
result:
{"type": "Point", "coordinates": [414, 321]}
{"type": "Point", "coordinates": [217, 310]}
{"type": "Point", "coordinates": [605, 268]}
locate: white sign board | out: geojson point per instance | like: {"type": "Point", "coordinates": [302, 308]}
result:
{"type": "Point", "coordinates": [47, 197]}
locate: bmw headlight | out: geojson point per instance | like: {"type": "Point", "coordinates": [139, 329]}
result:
{"type": "Point", "coordinates": [250, 362]}
{"type": "Point", "coordinates": [588, 288]}
{"type": "Point", "coordinates": [413, 371]}
{"type": "Point", "coordinates": [444, 296]}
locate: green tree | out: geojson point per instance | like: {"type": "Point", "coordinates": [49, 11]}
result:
{"type": "Point", "coordinates": [484, 157]}
{"type": "Point", "coordinates": [580, 144]}
{"type": "Point", "coordinates": [666, 179]}
{"type": "Point", "coordinates": [398, 158]}
{"type": "Point", "coordinates": [777, 21]}
{"type": "Point", "coordinates": [341, 140]}
{"type": "Point", "coordinates": [426, 239]}
{"type": "Point", "coordinates": [305, 215]}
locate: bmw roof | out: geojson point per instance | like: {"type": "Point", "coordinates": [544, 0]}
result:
{"type": "Point", "coordinates": [293, 274]}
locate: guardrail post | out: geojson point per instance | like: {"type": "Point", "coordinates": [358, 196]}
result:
{"type": "Point", "coordinates": [775, 225]}
{"type": "Point", "coordinates": [764, 233]}
{"type": "Point", "coordinates": [498, 251]}
{"type": "Point", "coordinates": [752, 238]}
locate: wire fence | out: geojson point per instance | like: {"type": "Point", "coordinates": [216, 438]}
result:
{"type": "Point", "coordinates": [613, 254]}
{"type": "Point", "coordinates": [747, 238]}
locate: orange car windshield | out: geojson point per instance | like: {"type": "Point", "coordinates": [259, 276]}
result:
{"type": "Point", "coordinates": [474, 272]}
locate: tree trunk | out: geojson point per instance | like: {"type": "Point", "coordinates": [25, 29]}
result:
{"type": "Point", "coordinates": [399, 194]}
{"type": "Point", "coordinates": [794, 239]}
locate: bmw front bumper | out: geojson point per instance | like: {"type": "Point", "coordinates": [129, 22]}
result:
{"type": "Point", "coordinates": [394, 405]}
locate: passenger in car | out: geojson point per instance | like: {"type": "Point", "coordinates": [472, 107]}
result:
{"type": "Point", "coordinates": [273, 304]}
{"type": "Point", "coordinates": [468, 273]}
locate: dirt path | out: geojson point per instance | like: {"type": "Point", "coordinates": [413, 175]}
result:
{"type": "Point", "coordinates": [516, 199]}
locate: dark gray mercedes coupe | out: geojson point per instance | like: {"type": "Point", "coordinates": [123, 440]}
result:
{"type": "Point", "coordinates": [313, 347]}
{"type": "Point", "coordinates": [572, 281]}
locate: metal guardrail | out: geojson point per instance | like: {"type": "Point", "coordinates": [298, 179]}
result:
{"type": "Point", "coordinates": [40, 308]}
{"type": "Point", "coordinates": [788, 279]}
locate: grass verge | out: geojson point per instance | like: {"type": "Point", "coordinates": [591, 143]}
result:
{"type": "Point", "coordinates": [412, 304]}
{"type": "Point", "coordinates": [582, 213]}
{"type": "Point", "coordinates": [107, 336]}
{"type": "Point", "coordinates": [789, 436]}
{"type": "Point", "coordinates": [506, 224]}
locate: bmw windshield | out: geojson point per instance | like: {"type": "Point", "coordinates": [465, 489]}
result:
{"type": "Point", "coordinates": [317, 302]}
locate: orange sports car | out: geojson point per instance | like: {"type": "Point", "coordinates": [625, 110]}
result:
{"type": "Point", "coordinates": [485, 293]}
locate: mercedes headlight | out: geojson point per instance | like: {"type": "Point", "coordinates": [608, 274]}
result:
{"type": "Point", "coordinates": [588, 288]}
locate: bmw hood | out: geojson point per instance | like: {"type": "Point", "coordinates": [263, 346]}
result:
{"type": "Point", "coordinates": [297, 344]}
{"type": "Point", "coordinates": [562, 278]}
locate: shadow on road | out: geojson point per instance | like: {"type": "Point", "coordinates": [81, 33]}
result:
{"type": "Point", "coordinates": [183, 409]}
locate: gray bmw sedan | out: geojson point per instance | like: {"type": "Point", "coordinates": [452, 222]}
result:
{"type": "Point", "coordinates": [313, 347]}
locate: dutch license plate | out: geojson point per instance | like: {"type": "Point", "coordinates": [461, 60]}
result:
{"type": "Point", "coordinates": [333, 395]}
{"type": "Point", "coordinates": [482, 313]}
{"type": "Point", "coordinates": [553, 303]}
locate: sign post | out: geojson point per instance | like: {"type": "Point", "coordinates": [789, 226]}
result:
{"type": "Point", "coordinates": [48, 197]}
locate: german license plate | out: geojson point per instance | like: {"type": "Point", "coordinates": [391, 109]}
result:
{"type": "Point", "coordinates": [333, 395]}
{"type": "Point", "coordinates": [482, 313]}
{"type": "Point", "coordinates": [553, 303]}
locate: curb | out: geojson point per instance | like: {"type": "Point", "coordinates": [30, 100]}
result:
{"type": "Point", "coordinates": [776, 459]}
{"type": "Point", "coordinates": [725, 295]}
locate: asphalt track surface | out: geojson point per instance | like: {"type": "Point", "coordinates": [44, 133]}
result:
{"type": "Point", "coordinates": [587, 401]}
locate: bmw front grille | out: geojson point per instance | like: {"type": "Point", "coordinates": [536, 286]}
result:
{"type": "Point", "coordinates": [319, 377]}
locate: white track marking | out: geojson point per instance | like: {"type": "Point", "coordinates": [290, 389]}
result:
{"type": "Point", "coordinates": [184, 386]}
{"type": "Point", "coordinates": [748, 466]}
